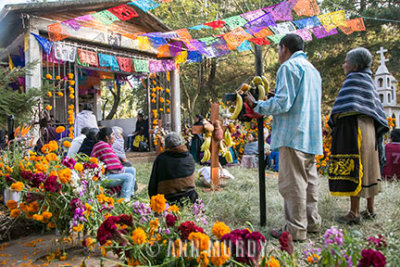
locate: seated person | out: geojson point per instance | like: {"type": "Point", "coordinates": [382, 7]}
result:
{"type": "Point", "coordinates": [77, 142]}
{"type": "Point", "coordinates": [119, 146]}
{"type": "Point", "coordinates": [273, 161]}
{"type": "Point", "coordinates": [173, 172]}
{"type": "Point", "coordinates": [197, 140]}
{"type": "Point", "coordinates": [392, 150]}
{"type": "Point", "coordinates": [47, 134]}
{"type": "Point", "coordinates": [89, 142]}
{"type": "Point", "coordinates": [251, 148]}
{"type": "Point", "coordinates": [141, 133]}
{"type": "Point", "coordinates": [116, 174]}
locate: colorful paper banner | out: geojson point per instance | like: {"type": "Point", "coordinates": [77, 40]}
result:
{"type": "Point", "coordinates": [245, 46]}
{"type": "Point", "coordinates": [181, 57]}
{"type": "Point", "coordinates": [215, 24]}
{"type": "Point", "coordinates": [125, 63]}
{"type": "Point", "coordinates": [321, 32]}
{"type": "Point", "coordinates": [305, 34]}
{"type": "Point", "coordinates": [64, 52]}
{"type": "Point", "coordinates": [220, 48]}
{"type": "Point", "coordinates": [235, 21]}
{"type": "Point", "coordinates": [307, 23]}
{"type": "Point", "coordinates": [194, 56]}
{"type": "Point", "coordinates": [145, 5]}
{"type": "Point", "coordinates": [156, 66]}
{"type": "Point", "coordinates": [253, 15]}
{"type": "Point", "coordinates": [163, 51]}
{"type": "Point", "coordinates": [199, 27]}
{"type": "Point", "coordinates": [141, 65]}
{"type": "Point", "coordinates": [88, 57]}
{"type": "Point", "coordinates": [72, 23]}
{"type": "Point", "coordinates": [283, 28]}
{"type": "Point", "coordinates": [333, 19]}
{"type": "Point", "coordinates": [108, 61]}
{"type": "Point", "coordinates": [235, 38]}
{"type": "Point", "coordinates": [44, 43]}
{"type": "Point", "coordinates": [123, 12]}
{"type": "Point", "coordinates": [105, 17]}
{"type": "Point", "coordinates": [57, 32]}
{"type": "Point", "coordinates": [175, 48]}
{"type": "Point", "coordinates": [306, 8]}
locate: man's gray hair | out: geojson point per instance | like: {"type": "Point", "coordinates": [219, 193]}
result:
{"type": "Point", "coordinates": [172, 140]}
{"type": "Point", "coordinates": [360, 57]}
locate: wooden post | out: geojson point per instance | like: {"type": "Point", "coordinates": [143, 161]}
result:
{"type": "Point", "coordinates": [175, 102]}
{"type": "Point", "coordinates": [261, 159]}
{"type": "Point", "coordinates": [214, 168]}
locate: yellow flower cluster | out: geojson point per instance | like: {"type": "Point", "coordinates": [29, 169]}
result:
{"type": "Point", "coordinates": [158, 203]}
{"type": "Point", "coordinates": [101, 198]}
{"type": "Point", "coordinates": [51, 146]}
{"type": "Point", "coordinates": [219, 254]}
{"type": "Point", "coordinates": [64, 175]}
{"type": "Point", "coordinates": [71, 117]}
{"type": "Point", "coordinates": [139, 236]}
{"type": "Point", "coordinates": [272, 262]}
{"type": "Point", "coordinates": [17, 186]}
{"type": "Point", "coordinates": [203, 259]}
{"type": "Point", "coordinates": [173, 208]}
{"type": "Point", "coordinates": [220, 229]}
{"type": "Point", "coordinates": [201, 241]}
{"type": "Point", "coordinates": [60, 129]}
{"type": "Point", "coordinates": [391, 122]}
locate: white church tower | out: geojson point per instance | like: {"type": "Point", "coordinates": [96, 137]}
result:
{"type": "Point", "coordinates": [386, 87]}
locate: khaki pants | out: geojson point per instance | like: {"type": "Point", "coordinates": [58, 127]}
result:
{"type": "Point", "coordinates": [298, 185]}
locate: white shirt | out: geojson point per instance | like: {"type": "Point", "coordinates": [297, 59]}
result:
{"type": "Point", "coordinates": [83, 119]}
{"type": "Point", "coordinates": [75, 145]}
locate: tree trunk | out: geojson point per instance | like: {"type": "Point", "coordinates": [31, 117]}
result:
{"type": "Point", "coordinates": [117, 99]}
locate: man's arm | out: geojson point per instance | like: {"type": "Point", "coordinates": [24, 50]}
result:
{"type": "Point", "coordinates": [285, 94]}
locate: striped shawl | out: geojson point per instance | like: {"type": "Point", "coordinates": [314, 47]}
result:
{"type": "Point", "coordinates": [358, 94]}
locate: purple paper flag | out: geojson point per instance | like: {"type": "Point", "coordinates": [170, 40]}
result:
{"type": "Point", "coordinates": [156, 66]}
{"type": "Point", "coordinates": [72, 24]}
{"type": "Point", "coordinates": [252, 15]}
{"type": "Point", "coordinates": [320, 32]}
{"type": "Point", "coordinates": [283, 11]}
{"type": "Point", "coordinates": [169, 65]}
{"type": "Point", "coordinates": [220, 48]}
{"type": "Point", "coordinates": [263, 21]}
{"type": "Point", "coordinates": [85, 18]}
{"type": "Point", "coordinates": [175, 48]}
{"type": "Point", "coordinates": [305, 34]}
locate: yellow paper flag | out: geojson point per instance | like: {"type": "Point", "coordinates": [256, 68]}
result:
{"type": "Point", "coordinates": [144, 43]}
{"type": "Point", "coordinates": [333, 20]}
{"type": "Point", "coordinates": [181, 57]}
{"type": "Point", "coordinates": [10, 62]}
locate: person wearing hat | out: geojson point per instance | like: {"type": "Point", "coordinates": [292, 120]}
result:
{"type": "Point", "coordinates": [392, 150]}
{"type": "Point", "coordinates": [85, 118]}
{"type": "Point", "coordinates": [173, 172]}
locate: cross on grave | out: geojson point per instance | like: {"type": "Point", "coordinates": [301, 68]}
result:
{"type": "Point", "coordinates": [383, 59]}
{"type": "Point", "coordinates": [198, 129]}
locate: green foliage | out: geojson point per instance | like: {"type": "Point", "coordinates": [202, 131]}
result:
{"type": "Point", "coordinates": [17, 103]}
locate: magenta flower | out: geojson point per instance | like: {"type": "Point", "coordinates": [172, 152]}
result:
{"type": "Point", "coordinates": [371, 257]}
{"type": "Point", "coordinates": [333, 236]}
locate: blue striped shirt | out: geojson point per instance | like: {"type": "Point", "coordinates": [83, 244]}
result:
{"type": "Point", "coordinates": [296, 106]}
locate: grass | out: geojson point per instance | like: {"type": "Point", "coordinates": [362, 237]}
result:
{"type": "Point", "coordinates": [238, 206]}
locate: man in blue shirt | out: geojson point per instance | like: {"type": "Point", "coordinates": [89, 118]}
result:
{"type": "Point", "coordinates": [297, 133]}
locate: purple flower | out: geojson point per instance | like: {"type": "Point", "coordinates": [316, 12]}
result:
{"type": "Point", "coordinates": [333, 236]}
{"type": "Point", "coordinates": [68, 162]}
{"type": "Point", "coordinates": [310, 249]}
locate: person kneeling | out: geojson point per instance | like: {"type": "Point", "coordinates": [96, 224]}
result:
{"type": "Point", "coordinates": [116, 174]}
{"type": "Point", "coordinates": [173, 172]}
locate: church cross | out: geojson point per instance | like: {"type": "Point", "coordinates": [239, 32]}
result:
{"type": "Point", "coordinates": [383, 59]}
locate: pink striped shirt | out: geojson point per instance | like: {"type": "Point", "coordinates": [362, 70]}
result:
{"type": "Point", "coordinates": [104, 152]}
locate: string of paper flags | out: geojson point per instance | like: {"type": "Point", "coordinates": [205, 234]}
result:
{"type": "Point", "coordinates": [258, 26]}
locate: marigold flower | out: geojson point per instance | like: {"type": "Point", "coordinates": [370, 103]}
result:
{"type": "Point", "coordinates": [71, 82]}
{"type": "Point", "coordinates": [49, 94]}
{"type": "Point", "coordinates": [203, 259]}
{"type": "Point", "coordinates": [17, 186]}
{"type": "Point", "coordinates": [154, 224]}
{"type": "Point", "coordinates": [78, 228]}
{"type": "Point", "coordinates": [70, 76]}
{"type": "Point", "coordinates": [51, 157]}
{"type": "Point", "coordinates": [139, 236]}
{"type": "Point", "coordinates": [219, 254]}
{"type": "Point", "coordinates": [94, 160]}
{"type": "Point", "coordinates": [201, 240]}
{"type": "Point", "coordinates": [162, 100]}
{"type": "Point", "coordinates": [60, 129]}
{"type": "Point", "coordinates": [272, 262]}
{"type": "Point", "coordinates": [15, 213]}
{"type": "Point", "coordinates": [67, 144]}
{"type": "Point", "coordinates": [48, 107]}
{"type": "Point", "coordinates": [53, 145]}
{"type": "Point", "coordinates": [78, 167]}
{"type": "Point", "coordinates": [51, 225]}
{"type": "Point", "coordinates": [161, 109]}
{"type": "Point", "coordinates": [157, 203]}
{"type": "Point", "coordinates": [47, 215]}
{"type": "Point", "coordinates": [48, 76]}
{"type": "Point", "coordinates": [11, 204]}
{"type": "Point", "coordinates": [168, 111]}
{"type": "Point", "coordinates": [64, 175]}
{"type": "Point", "coordinates": [37, 217]}
{"type": "Point", "coordinates": [313, 258]}
{"type": "Point", "coordinates": [173, 208]}
{"type": "Point", "coordinates": [220, 229]}
{"type": "Point", "coordinates": [60, 94]}
{"type": "Point", "coordinates": [167, 91]}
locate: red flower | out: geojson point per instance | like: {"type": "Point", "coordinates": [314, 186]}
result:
{"type": "Point", "coordinates": [371, 257]}
{"type": "Point", "coordinates": [378, 242]}
{"type": "Point", "coordinates": [188, 227]}
{"type": "Point", "coordinates": [107, 229]}
{"type": "Point", "coordinates": [51, 184]}
{"type": "Point", "coordinates": [286, 242]}
{"type": "Point", "coordinates": [126, 219]}
{"type": "Point", "coordinates": [170, 219]}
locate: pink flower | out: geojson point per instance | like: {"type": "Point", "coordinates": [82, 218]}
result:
{"type": "Point", "coordinates": [170, 220]}
{"type": "Point", "coordinates": [286, 242]}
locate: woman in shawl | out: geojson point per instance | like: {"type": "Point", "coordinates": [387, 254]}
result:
{"type": "Point", "coordinates": [359, 123]}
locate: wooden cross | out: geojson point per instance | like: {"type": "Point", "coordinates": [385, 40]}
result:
{"type": "Point", "coordinates": [199, 129]}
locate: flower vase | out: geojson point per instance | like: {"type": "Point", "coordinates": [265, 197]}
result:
{"type": "Point", "coordinates": [10, 194]}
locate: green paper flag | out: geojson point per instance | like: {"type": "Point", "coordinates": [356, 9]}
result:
{"type": "Point", "coordinates": [141, 65]}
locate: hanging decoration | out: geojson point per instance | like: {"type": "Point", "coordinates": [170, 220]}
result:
{"type": "Point", "coordinates": [64, 52]}
{"type": "Point", "coordinates": [44, 43]}
{"type": "Point", "coordinates": [125, 64]}
{"type": "Point", "coordinates": [306, 8]}
{"type": "Point", "coordinates": [123, 12]}
{"type": "Point", "coordinates": [141, 65]}
{"type": "Point", "coordinates": [88, 57]}
{"type": "Point", "coordinates": [108, 61]}
{"type": "Point", "coordinates": [145, 5]}
{"type": "Point", "coordinates": [57, 32]}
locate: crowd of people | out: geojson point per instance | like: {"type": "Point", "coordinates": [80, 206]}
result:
{"type": "Point", "coordinates": [358, 159]}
